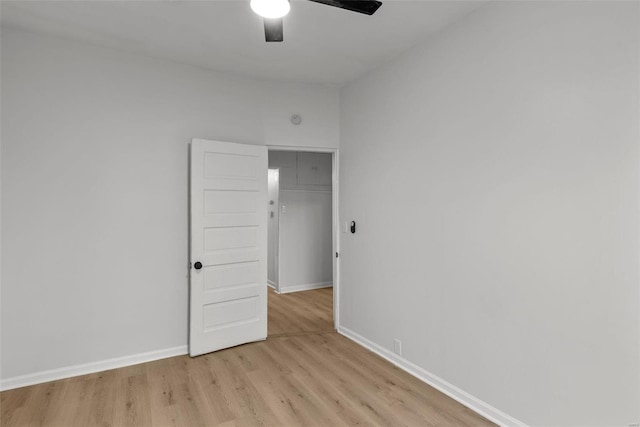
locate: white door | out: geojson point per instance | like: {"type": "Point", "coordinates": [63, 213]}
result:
{"type": "Point", "coordinates": [228, 276]}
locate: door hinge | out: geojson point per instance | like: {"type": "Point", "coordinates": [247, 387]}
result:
{"type": "Point", "coordinates": [189, 266]}
{"type": "Point", "coordinates": [336, 254]}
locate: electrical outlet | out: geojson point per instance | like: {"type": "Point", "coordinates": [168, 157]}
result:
{"type": "Point", "coordinates": [397, 347]}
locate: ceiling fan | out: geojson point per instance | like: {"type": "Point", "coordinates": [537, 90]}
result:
{"type": "Point", "coordinates": [273, 10]}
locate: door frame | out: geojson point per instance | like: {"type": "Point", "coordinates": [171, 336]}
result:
{"type": "Point", "coordinates": [335, 158]}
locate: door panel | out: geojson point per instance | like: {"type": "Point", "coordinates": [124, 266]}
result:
{"type": "Point", "coordinates": [228, 196]}
{"type": "Point", "coordinates": [226, 238]}
{"type": "Point", "coordinates": [227, 275]}
{"type": "Point", "coordinates": [230, 202]}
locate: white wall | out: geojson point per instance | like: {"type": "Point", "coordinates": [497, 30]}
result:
{"type": "Point", "coordinates": [305, 228]}
{"type": "Point", "coordinates": [94, 191]}
{"type": "Point", "coordinates": [493, 173]}
{"type": "Point", "coordinates": [273, 226]}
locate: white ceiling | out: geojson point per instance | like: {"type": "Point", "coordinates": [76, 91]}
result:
{"type": "Point", "coordinates": [322, 44]}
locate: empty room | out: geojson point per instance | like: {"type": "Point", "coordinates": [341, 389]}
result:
{"type": "Point", "coordinates": [320, 213]}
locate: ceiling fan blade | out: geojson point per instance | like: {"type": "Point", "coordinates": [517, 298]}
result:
{"type": "Point", "coordinates": [273, 30]}
{"type": "Point", "coordinates": [368, 7]}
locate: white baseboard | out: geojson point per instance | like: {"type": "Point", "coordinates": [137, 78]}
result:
{"type": "Point", "coordinates": [471, 402]}
{"type": "Point", "coordinates": [307, 287]}
{"type": "Point", "coordinates": [90, 368]}
{"type": "Point", "coordinates": [271, 284]}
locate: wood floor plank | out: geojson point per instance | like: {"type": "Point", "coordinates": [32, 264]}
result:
{"type": "Point", "coordinates": [300, 312]}
{"type": "Point", "coordinates": [304, 374]}
{"type": "Point", "coordinates": [11, 403]}
{"type": "Point", "coordinates": [351, 387]}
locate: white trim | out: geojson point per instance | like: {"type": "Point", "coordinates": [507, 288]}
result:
{"type": "Point", "coordinates": [306, 287]}
{"type": "Point", "coordinates": [271, 284]}
{"type": "Point", "coordinates": [335, 193]}
{"type": "Point", "coordinates": [299, 148]}
{"type": "Point", "coordinates": [90, 368]}
{"type": "Point", "coordinates": [305, 191]}
{"type": "Point", "coordinates": [471, 402]}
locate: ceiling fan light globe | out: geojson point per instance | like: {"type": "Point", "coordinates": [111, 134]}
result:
{"type": "Point", "coordinates": [271, 8]}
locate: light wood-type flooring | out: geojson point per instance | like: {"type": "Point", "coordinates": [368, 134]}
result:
{"type": "Point", "coordinates": [301, 375]}
{"type": "Point", "coordinates": [300, 312]}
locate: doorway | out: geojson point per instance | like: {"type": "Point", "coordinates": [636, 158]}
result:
{"type": "Point", "coordinates": [228, 244]}
{"type": "Point", "coordinates": [301, 242]}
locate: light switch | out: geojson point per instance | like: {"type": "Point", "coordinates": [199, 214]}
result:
{"type": "Point", "coordinates": [283, 209]}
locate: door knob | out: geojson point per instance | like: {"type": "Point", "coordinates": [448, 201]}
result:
{"type": "Point", "coordinates": [198, 265]}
